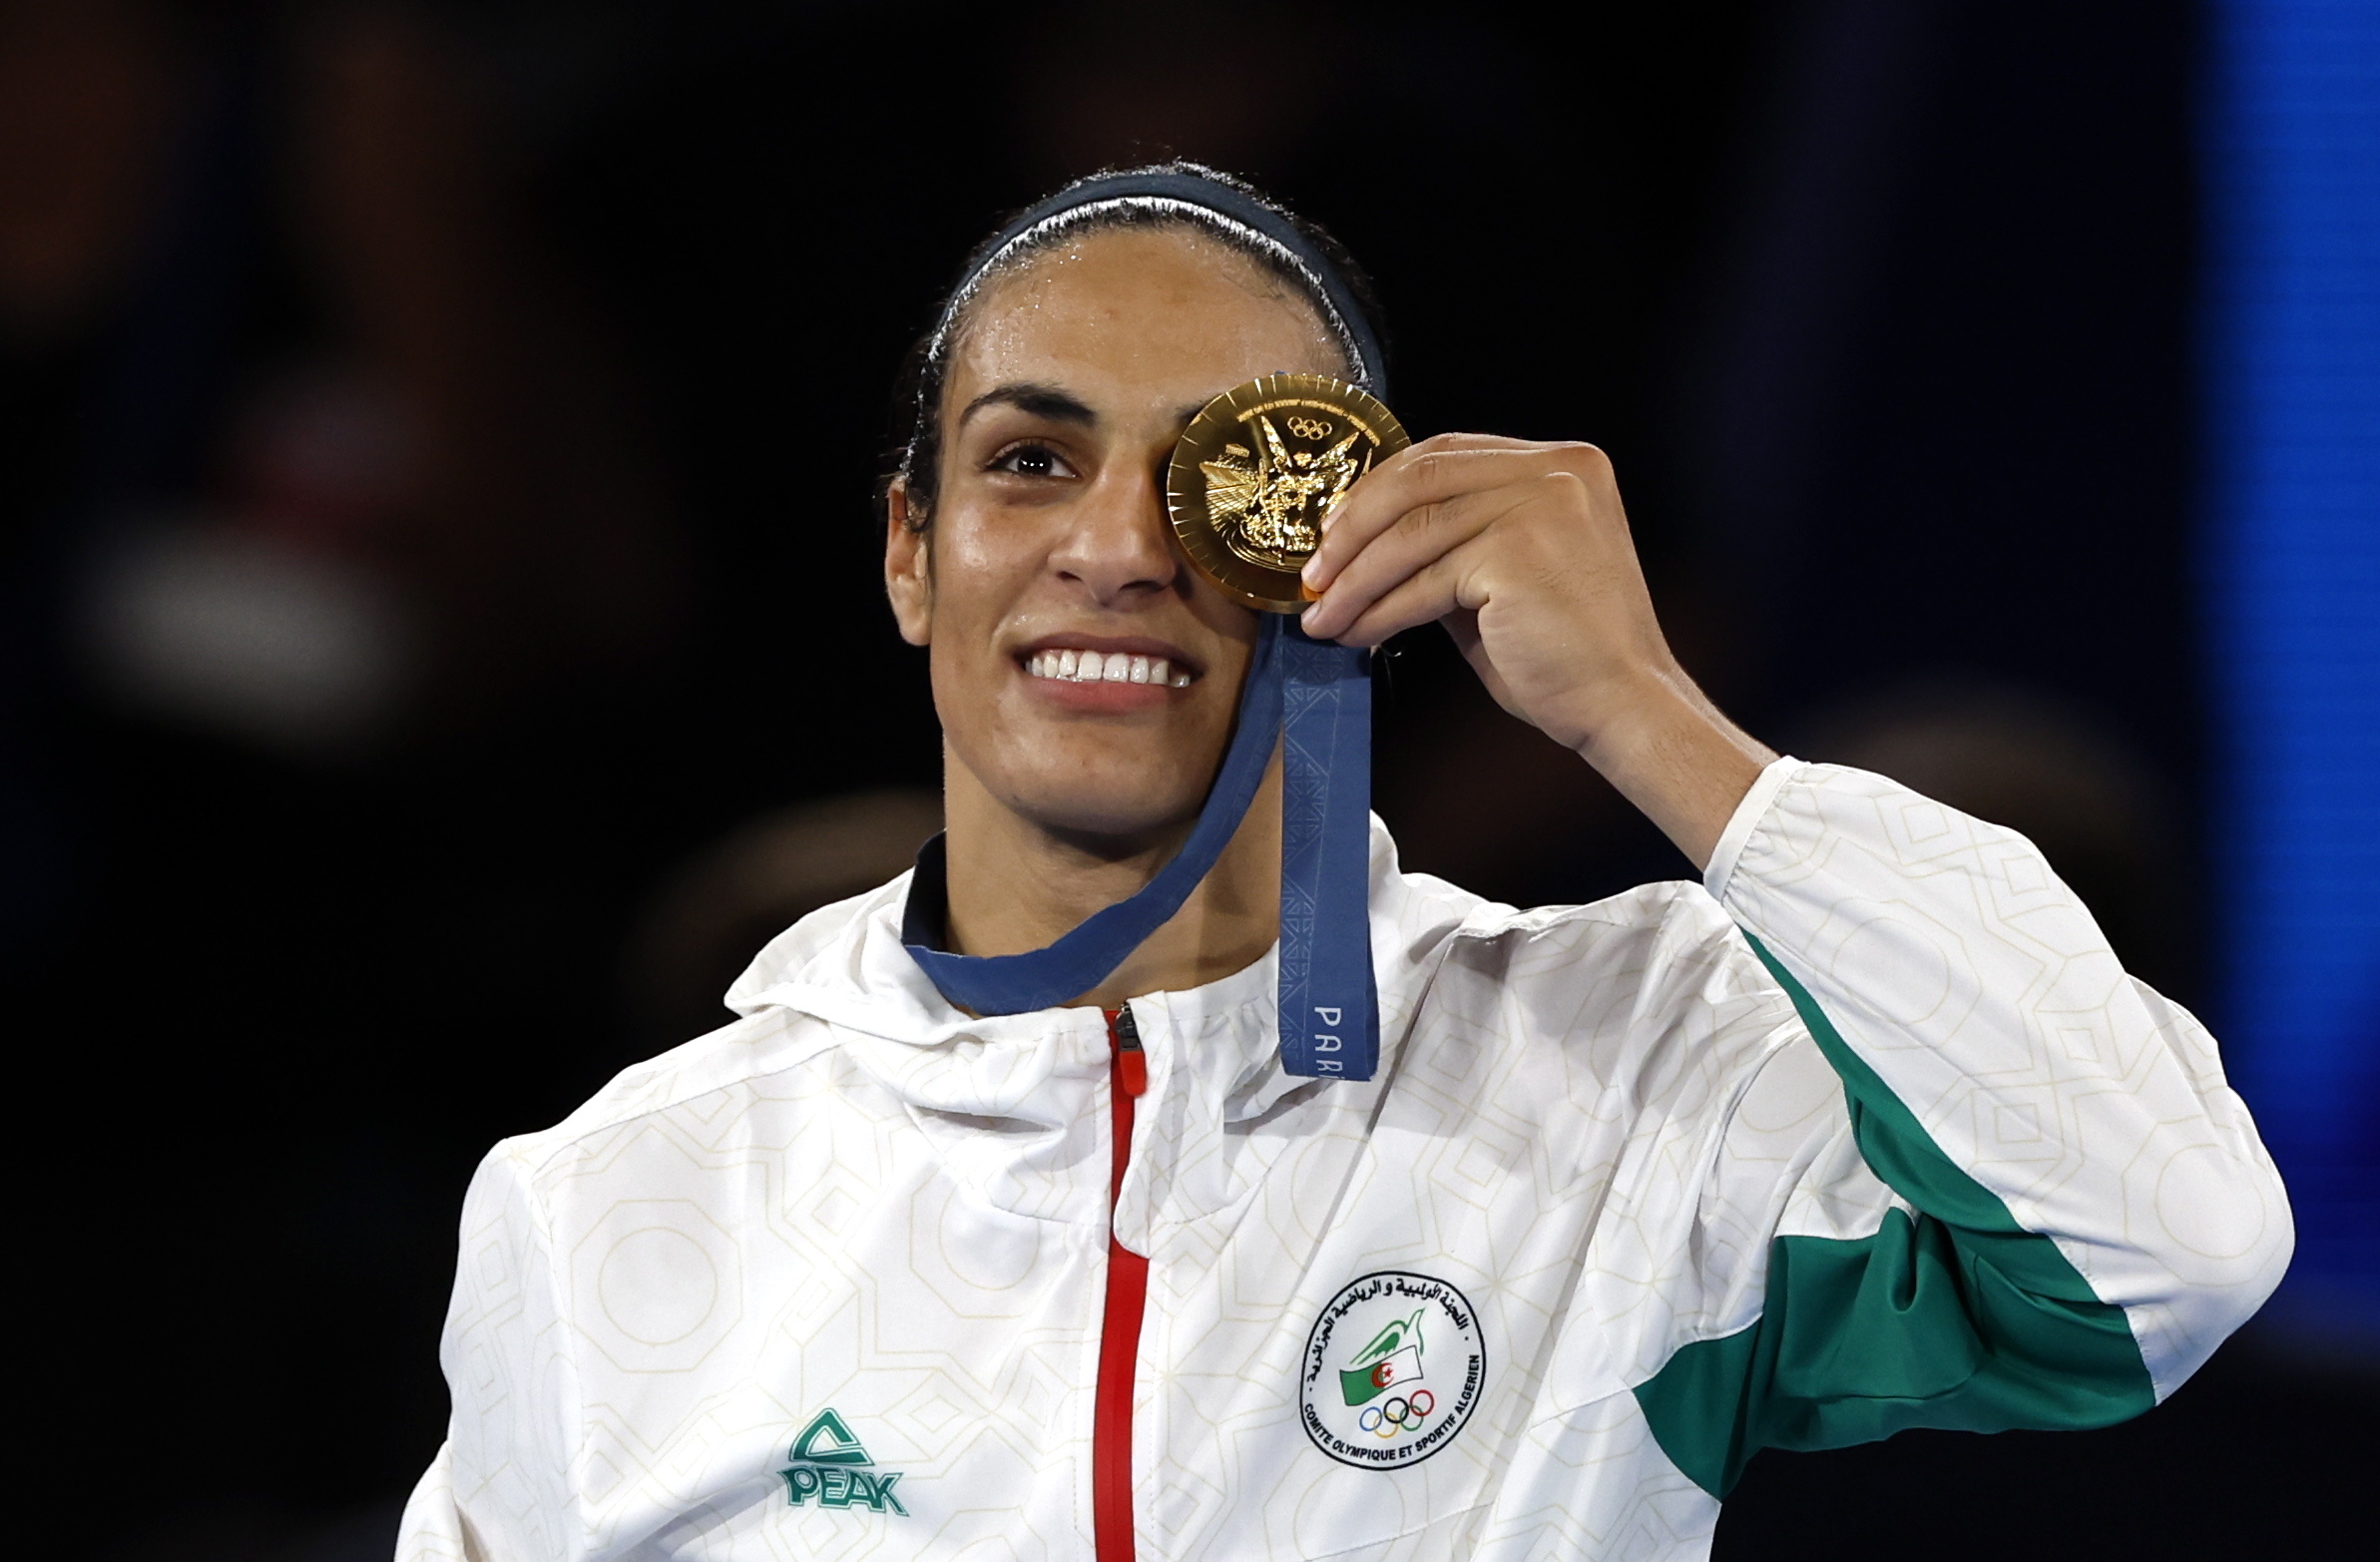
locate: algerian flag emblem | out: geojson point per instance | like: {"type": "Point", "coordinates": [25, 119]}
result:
{"type": "Point", "coordinates": [1361, 1396]}
{"type": "Point", "coordinates": [1391, 1361]}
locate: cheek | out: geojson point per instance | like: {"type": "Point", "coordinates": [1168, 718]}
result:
{"type": "Point", "coordinates": [975, 578]}
{"type": "Point", "coordinates": [982, 572]}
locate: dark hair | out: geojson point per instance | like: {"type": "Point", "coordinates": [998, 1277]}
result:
{"type": "Point", "coordinates": [1297, 253]}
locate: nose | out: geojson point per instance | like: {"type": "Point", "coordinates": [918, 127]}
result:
{"type": "Point", "coordinates": [1118, 544]}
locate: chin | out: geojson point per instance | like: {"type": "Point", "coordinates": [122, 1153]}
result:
{"type": "Point", "coordinates": [1125, 809]}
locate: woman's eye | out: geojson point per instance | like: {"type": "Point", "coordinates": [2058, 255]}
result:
{"type": "Point", "coordinates": [1032, 461]}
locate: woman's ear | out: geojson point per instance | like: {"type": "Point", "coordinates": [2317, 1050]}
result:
{"type": "Point", "coordinates": [908, 566]}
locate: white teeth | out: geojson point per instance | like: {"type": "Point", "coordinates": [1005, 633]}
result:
{"type": "Point", "coordinates": [1115, 666]}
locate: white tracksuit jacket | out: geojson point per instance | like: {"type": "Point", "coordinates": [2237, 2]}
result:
{"type": "Point", "coordinates": [1870, 1133]}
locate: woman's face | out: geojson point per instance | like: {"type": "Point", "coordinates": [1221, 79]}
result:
{"type": "Point", "coordinates": [1048, 545]}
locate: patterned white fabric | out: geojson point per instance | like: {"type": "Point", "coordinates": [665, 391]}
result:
{"type": "Point", "coordinates": [1592, 1119]}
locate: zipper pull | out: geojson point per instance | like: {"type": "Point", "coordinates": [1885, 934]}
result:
{"type": "Point", "coordinates": [1132, 1064]}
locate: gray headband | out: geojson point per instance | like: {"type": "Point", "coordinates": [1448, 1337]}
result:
{"type": "Point", "coordinates": [1198, 198]}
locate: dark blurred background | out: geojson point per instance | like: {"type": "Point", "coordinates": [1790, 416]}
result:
{"type": "Point", "coordinates": [445, 637]}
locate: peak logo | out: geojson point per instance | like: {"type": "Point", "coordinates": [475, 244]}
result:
{"type": "Point", "coordinates": [832, 1465]}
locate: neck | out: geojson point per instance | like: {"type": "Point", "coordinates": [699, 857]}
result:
{"type": "Point", "coordinates": [1018, 885]}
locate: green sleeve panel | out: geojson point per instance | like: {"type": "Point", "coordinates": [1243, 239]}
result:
{"type": "Point", "coordinates": [1959, 1319]}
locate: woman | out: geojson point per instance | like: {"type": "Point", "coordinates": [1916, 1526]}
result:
{"type": "Point", "coordinates": [1865, 1131]}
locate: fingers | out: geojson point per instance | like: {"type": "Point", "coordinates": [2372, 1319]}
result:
{"type": "Point", "coordinates": [1428, 473]}
{"type": "Point", "coordinates": [1409, 546]}
{"type": "Point", "coordinates": [1427, 593]}
{"type": "Point", "coordinates": [1432, 472]}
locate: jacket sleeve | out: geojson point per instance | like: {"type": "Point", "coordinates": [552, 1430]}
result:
{"type": "Point", "coordinates": [502, 1489]}
{"type": "Point", "coordinates": [2037, 1204]}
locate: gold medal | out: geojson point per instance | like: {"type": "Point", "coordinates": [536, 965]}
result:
{"type": "Point", "coordinates": [1257, 471]}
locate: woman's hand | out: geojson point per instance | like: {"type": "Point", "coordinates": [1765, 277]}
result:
{"type": "Point", "coordinates": [1523, 551]}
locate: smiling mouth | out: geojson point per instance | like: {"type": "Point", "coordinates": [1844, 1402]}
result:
{"type": "Point", "coordinates": [1115, 666]}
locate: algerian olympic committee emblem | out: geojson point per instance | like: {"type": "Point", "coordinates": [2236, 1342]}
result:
{"type": "Point", "coordinates": [1392, 1371]}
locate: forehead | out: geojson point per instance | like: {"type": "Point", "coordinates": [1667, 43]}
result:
{"type": "Point", "coordinates": [1164, 306]}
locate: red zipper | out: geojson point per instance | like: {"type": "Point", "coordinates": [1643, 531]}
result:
{"type": "Point", "coordinates": [1120, 1325]}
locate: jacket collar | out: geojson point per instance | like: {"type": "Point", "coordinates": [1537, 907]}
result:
{"type": "Point", "coordinates": [846, 964]}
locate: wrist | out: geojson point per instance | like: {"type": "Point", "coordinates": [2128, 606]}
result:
{"type": "Point", "coordinates": [1669, 751]}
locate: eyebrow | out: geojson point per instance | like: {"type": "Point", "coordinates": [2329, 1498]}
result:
{"type": "Point", "coordinates": [1048, 401]}
{"type": "Point", "coordinates": [1039, 400]}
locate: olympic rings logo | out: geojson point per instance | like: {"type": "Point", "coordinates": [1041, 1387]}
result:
{"type": "Point", "coordinates": [1307, 427]}
{"type": "Point", "coordinates": [1397, 1415]}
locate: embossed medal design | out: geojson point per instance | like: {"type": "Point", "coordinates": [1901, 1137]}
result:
{"type": "Point", "coordinates": [1257, 471]}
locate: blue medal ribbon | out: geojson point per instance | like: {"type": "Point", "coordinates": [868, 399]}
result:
{"type": "Point", "coordinates": [1331, 1012]}
{"type": "Point", "coordinates": [1316, 698]}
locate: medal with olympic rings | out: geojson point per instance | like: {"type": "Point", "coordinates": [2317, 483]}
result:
{"type": "Point", "coordinates": [1257, 471]}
